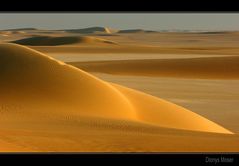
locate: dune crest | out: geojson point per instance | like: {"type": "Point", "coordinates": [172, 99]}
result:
{"type": "Point", "coordinates": [36, 88]}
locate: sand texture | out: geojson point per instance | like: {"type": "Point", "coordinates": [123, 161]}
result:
{"type": "Point", "coordinates": [105, 90]}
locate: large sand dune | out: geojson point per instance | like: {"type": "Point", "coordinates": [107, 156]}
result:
{"type": "Point", "coordinates": [203, 67]}
{"type": "Point", "coordinates": [64, 40]}
{"type": "Point", "coordinates": [47, 104]}
{"type": "Point", "coordinates": [35, 78]}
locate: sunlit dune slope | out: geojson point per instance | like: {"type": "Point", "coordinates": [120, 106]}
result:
{"type": "Point", "coordinates": [44, 85]}
{"type": "Point", "coordinates": [36, 89]}
{"type": "Point", "coordinates": [206, 67]}
{"type": "Point", "coordinates": [64, 40]}
{"type": "Point", "coordinates": [157, 111]}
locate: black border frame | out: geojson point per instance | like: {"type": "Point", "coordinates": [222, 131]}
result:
{"type": "Point", "coordinates": [173, 6]}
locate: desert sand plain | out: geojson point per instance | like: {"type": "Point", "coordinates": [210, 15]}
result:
{"type": "Point", "coordinates": [104, 90]}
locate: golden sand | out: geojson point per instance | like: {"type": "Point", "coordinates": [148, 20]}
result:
{"type": "Point", "coordinates": [47, 105]}
{"type": "Point", "coordinates": [182, 100]}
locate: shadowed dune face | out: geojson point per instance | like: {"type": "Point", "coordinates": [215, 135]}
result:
{"type": "Point", "coordinates": [65, 40]}
{"type": "Point", "coordinates": [206, 67]}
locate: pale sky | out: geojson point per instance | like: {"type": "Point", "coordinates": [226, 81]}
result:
{"type": "Point", "coordinates": [148, 21]}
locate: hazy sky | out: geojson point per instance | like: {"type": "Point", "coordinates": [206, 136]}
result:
{"type": "Point", "coordinates": [149, 21]}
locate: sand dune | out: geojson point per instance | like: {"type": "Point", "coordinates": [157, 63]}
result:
{"type": "Point", "coordinates": [216, 32]}
{"type": "Point", "coordinates": [11, 32]}
{"type": "Point", "coordinates": [203, 67]}
{"type": "Point", "coordinates": [79, 92]}
{"type": "Point", "coordinates": [137, 49]}
{"type": "Point", "coordinates": [45, 103]}
{"type": "Point", "coordinates": [55, 41]}
{"type": "Point", "coordinates": [21, 29]}
{"type": "Point", "coordinates": [134, 31]}
{"type": "Point", "coordinates": [165, 114]}
{"type": "Point", "coordinates": [93, 30]}
{"type": "Point", "coordinates": [30, 75]}
{"type": "Point", "coordinates": [17, 31]}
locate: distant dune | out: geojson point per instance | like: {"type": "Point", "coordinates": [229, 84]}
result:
{"type": "Point", "coordinates": [215, 32]}
{"type": "Point", "coordinates": [16, 31]}
{"type": "Point", "coordinates": [106, 34]}
{"type": "Point", "coordinates": [93, 30]}
{"type": "Point", "coordinates": [21, 29]}
{"type": "Point", "coordinates": [205, 67]}
{"type": "Point", "coordinates": [12, 32]}
{"type": "Point", "coordinates": [54, 41]}
{"type": "Point", "coordinates": [134, 31]}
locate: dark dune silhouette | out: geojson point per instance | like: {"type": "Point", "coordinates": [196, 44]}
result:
{"type": "Point", "coordinates": [54, 41]}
